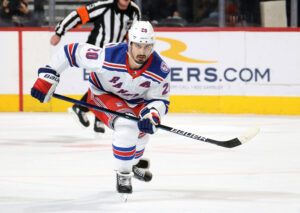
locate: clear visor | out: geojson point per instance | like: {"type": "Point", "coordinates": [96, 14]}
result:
{"type": "Point", "coordinates": [143, 46]}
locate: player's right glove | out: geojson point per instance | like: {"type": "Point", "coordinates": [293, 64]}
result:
{"type": "Point", "coordinates": [45, 85]}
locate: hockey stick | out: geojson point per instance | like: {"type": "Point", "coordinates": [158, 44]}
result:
{"type": "Point", "coordinates": [228, 144]}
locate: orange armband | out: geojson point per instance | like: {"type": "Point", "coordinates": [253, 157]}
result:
{"type": "Point", "coordinates": [84, 15]}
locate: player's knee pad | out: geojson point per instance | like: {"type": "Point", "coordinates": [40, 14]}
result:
{"type": "Point", "coordinates": [125, 132]}
{"type": "Point", "coordinates": [141, 142]}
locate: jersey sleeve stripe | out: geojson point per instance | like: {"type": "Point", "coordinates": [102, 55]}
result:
{"type": "Point", "coordinates": [115, 69]}
{"type": "Point", "coordinates": [153, 75]}
{"type": "Point", "coordinates": [67, 55]}
{"type": "Point", "coordinates": [150, 77]}
{"type": "Point", "coordinates": [70, 51]}
{"type": "Point", "coordinates": [70, 47]}
{"type": "Point", "coordinates": [84, 15]}
{"type": "Point", "coordinates": [114, 65]}
{"type": "Point", "coordinates": [74, 54]}
{"type": "Point", "coordinates": [95, 81]}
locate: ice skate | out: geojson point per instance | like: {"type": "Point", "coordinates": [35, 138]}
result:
{"type": "Point", "coordinates": [142, 174]}
{"type": "Point", "coordinates": [99, 126]}
{"type": "Point", "coordinates": [140, 170]}
{"type": "Point", "coordinates": [79, 115]}
{"type": "Point", "coordinates": [143, 163]}
{"type": "Point", "coordinates": [124, 186]}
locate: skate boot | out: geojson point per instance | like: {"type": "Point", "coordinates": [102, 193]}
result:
{"type": "Point", "coordinates": [143, 163]}
{"type": "Point", "coordinates": [124, 183]}
{"type": "Point", "coordinates": [99, 126]}
{"type": "Point", "coordinates": [141, 172]}
{"type": "Point", "coordinates": [83, 119]}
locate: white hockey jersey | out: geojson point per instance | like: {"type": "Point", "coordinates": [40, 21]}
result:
{"type": "Point", "coordinates": [111, 73]}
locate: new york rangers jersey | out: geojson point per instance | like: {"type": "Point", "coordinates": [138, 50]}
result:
{"type": "Point", "coordinates": [111, 73]}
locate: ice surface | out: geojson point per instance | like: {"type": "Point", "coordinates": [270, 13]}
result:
{"type": "Point", "coordinates": [48, 163]}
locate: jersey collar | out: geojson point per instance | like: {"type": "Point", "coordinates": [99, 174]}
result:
{"type": "Point", "coordinates": [136, 73]}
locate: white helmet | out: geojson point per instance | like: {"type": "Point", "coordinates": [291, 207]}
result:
{"type": "Point", "coordinates": [141, 32]}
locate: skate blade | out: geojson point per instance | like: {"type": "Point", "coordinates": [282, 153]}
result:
{"type": "Point", "coordinates": [123, 197]}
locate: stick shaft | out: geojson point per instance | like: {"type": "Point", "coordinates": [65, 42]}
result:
{"type": "Point", "coordinates": [228, 144]}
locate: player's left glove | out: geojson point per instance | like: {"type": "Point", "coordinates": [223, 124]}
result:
{"type": "Point", "coordinates": [45, 85]}
{"type": "Point", "coordinates": [149, 118]}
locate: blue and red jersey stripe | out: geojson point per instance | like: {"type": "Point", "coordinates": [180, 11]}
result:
{"type": "Point", "coordinates": [70, 51]}
{"type": "Point", "coordinates": [95, 81]}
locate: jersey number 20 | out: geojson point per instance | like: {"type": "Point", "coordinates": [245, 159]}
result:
{"type": "Point", "coordinates": [92, 53]}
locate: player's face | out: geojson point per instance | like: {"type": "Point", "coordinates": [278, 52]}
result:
{"type": "Point", "coordinates": [123, 4]}
{"type": "Point", "coordinates": [140, 52]}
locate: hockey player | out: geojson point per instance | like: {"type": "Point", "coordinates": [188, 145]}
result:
{"type": "Point", "coordinates": [111, 20]}
{"type": "Point", "coordinates": [128, 77]}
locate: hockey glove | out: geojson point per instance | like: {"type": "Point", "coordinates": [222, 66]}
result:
{"type": "Point", "coordinates": [45, 85]}
{"type": "Point", "coordinates": [149, 118]}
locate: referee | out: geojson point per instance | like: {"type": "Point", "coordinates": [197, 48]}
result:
{"type": "Point", "coordinates": [112, 19]}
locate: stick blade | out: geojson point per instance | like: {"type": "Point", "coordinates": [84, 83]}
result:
{"type": "Point", "coordinates": [251, 133]}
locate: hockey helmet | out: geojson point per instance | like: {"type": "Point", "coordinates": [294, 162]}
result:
{"type": "Point", "coordinates": [141, 32]}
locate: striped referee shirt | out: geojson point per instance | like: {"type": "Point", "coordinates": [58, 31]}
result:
{"type": "Point", "coordinates": [110, 23]}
